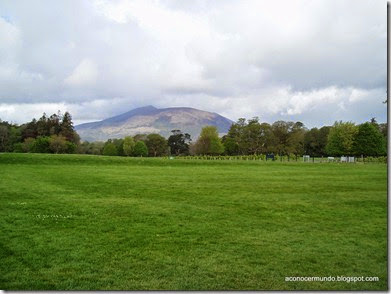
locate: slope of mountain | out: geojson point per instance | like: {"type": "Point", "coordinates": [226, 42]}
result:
{"type": "Point", "coordinates": [148, 119]}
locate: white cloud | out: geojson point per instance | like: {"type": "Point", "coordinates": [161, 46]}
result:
{"type": "Point", "coordinates": [85, 73]}
{"type": "Point", "coordinates": [274, 59]}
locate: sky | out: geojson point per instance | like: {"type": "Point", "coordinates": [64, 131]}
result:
{"type": "Point", "coordinates": [313, 61]}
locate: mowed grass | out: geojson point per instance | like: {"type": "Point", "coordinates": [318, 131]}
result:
{"type": "Point", "coordinates": [88, 222]}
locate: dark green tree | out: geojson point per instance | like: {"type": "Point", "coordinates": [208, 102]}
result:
{"type": "Point", "coordinates": [67, 129]}
{"type": "Point", "coordinates": [29, 130]}
{"type": "Point", "coordinates": [119, 144]}
{"type": "Point", "coordinates": [179, 142]}
{"type": "Point", "coordinates": [296, 138]}
{"type": "Point", "coordinates": [251, 140]}
{"type": "Point", "coordinates": [4, 137]}
{"type": "Point", "coordinates": [230, 146]}
{"type": "Point", "coordinates": [236, 132]}
{"type": "Point", "coordinates": [281, 130]}
{"type": "Point", "coordinates": [369, 141]}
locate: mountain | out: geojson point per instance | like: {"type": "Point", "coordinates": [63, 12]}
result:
{"type": "Point", "coordinates": [149, 119]}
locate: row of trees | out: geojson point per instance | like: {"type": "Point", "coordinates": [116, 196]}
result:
{"type": "Point", "coordinates": [53, 134]}
{"type": "Point", "coordinates": [152, 145]}
{"type": "Point", "coordinates": [283, 138]}
{"type": "Point", "coordinates": [56, 134]}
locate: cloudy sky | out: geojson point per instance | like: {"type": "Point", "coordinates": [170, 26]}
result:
{"type": "Point", "coordinates": [316, 61]}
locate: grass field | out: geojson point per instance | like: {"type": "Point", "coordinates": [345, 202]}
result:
{"type": "Point", "coordinates": [85, 222]}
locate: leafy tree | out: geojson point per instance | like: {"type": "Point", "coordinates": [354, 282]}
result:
{"type": "Point", "coordinates": [156, 144]}
{"type": "Point", "coordinates": [209, 142]}
{"type": "Point", "coordinates": [42, 126]}
{"type": "Point", "coordinates": [119, 144]}
{"type": "Point", "coordinates": [57, 144]}
{"type": "Point", "coordinates": [28, 145]}
{"type": "Point", "coordinates": [54, 123]}
{"type": "Point", "coordinates": [251, 140]}
{"type": "Point", "coordinates": [267, 138]}
{"type": "Point", "coordinates": [30, 130]}
{"type": "Point", "coordinates": [368, 140]}
{"type": "Point", "coordinates": [341, 138]}
{"type": "Point", "coordinates": [322, 139]}
{"type": "Point", "coordinates": [230, 146]}
{"type": "Point", "coordinates": [4, 137]}
{"type": "Point", "coordinates": [315, 141]}
{"type": "Point", "coordinates": [41, 145]}
{"type": "Point", "coordinates": [140, 149]}
{"type": "Point", "coordinates": [128, 146]}
{"type": "Point", "coordinates": [67, 129]}
{"type": "Point", "coordinates": [236, 132]}
{"type": "Point", "coordinates": [179, 142]}
{"type": "Point", "coordinates": [296, 138]}
{"type": "Point", "coordinates": [15, 137]}
{"type": "Point", "coordinates": [110, 149]}
{"type": "Point", "coordinates": [281, 130]}
{"type": "Point", "coordinates": [311, 142]}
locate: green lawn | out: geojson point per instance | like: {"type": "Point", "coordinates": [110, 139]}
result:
{"type": "Point", "coordinates": [85, 222]}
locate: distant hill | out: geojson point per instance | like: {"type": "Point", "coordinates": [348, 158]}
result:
{"type": "Point", "coordinates": [149, 119]}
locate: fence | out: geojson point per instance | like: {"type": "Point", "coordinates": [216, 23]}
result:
{"type": "Point", "coordinates": [285, 158]}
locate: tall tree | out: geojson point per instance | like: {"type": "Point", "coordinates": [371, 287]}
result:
{"type": "Point", "coordinates": [30, 130]}
{"type": "Point", "coordinates": [209, 142]}
{"type": "Point", "coordinates": [230, 146]}
{"type": "Point", "coordinates": [179, 142]}
{"type": "Point", "coordinates": [369, 141]}
{"type": "Point", "coordinates": [236, 132]}
{"type": "Point", "coordinates": [128, 146]}
{"type": "Point", "coordinates": [67, 129]}
{"type": "Point", "coordinates": [251, 137]}
{"type": "Point", "coordinates": [281, 130]}
{"type": "Point", "coordinates": [296, 138]}
{"type": "Point", "coordinates": [4, 137]}
{"type": "Point", "coordinates": [54, 123]}
{"type": "Point", "coordinates": [140, 149]}
{"type": "Point", "coordinates": [341, 138]}
{"type": "Point", "coordinates": [119, 144]}
{"type": "Point", "coordinates": [156, 144]}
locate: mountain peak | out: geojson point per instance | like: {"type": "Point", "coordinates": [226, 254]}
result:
{"type": "Point", "coordinates": [149, 119]}
{"type": "Point", "coordinates": [147, 107]}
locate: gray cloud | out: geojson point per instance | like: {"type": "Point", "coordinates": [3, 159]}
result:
{"type": "Point", "coordinates": [302, 60]}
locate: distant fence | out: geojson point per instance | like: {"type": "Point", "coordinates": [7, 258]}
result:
{"type": "Point", "coordinates": [286, 158]}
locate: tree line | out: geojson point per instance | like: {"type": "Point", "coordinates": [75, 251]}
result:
{"type": "Point", "coordinates": [49, 134]}
{"type": "Point", "coordinates": [286, 138]}
{"type": "Point", "coordinates": [56, 134]}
